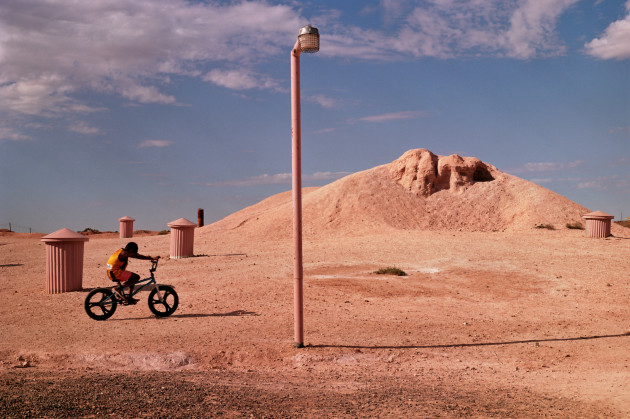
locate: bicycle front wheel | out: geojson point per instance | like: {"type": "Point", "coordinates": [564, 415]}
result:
{"type": "Point", "coordinates": [165, 306]}
{"type": "Point", "coordinates": [100, 304]}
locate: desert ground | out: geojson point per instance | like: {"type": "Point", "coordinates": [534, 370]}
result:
{"type": "Point", "coordinates": [504, 324]}
{"type": "Point", "coordinates": [496, 318]}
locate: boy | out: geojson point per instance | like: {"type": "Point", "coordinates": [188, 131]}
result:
{"type": "Point", "coordinates": [116, 270]}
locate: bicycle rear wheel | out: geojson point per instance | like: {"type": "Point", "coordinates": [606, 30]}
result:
{"type": "Point", "coordinates": [100, 304]}
{"type": "Point", "coordinates": [167, 305]}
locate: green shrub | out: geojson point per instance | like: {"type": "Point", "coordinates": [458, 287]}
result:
{"type": "Point", "coordinates": [391, 270]}
{"type": "Point", "coordinates": [163, 232]}
{"type": "Point", "coordinates": [89, 231]}
{"type": "Point", "coordinates": [575, 226]}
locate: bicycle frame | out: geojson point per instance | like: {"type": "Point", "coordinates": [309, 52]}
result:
{"type": "Point", "coordinates": [148, 281]}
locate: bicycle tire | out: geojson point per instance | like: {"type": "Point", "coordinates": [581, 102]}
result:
{"type": "Point", "coordinates": [168, 304]}
{"type": "Point", "coordinates": [100, 304]}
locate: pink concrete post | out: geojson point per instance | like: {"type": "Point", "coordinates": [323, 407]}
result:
{"type": "Point", "coordinates": [308, 41]}
{"type": "Point", "coordinates": [126, 227]}
{"type": "Point", "coordinates": [64, 261]}
{"type": "Point", "coordinates": [182, 238]}
{"type": "Point", "coordinates": [296, 153]}
{"type": "Point", "coordinates": [598, 224]}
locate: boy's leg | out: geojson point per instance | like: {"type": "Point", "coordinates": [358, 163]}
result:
{"type": "Point", "coordinates": [130, 283]}
{"type": "Point", "coordinates": [128, 280]}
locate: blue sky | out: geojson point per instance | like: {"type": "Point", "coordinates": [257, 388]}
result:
{"type": "Point", "coordinates": [154, 108]}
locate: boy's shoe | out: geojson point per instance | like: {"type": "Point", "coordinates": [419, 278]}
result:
{"type": "Point", "coordinates": [119, 295]}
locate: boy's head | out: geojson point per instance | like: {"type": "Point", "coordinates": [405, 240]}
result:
{"type": "Point", "coordinates": [131, 247]}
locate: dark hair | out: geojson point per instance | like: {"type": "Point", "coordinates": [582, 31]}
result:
{"type": "Point", "coordinates": [131, 247]}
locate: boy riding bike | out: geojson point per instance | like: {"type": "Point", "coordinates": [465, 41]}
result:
{"type": "Point", "coordinates": [116, 270]}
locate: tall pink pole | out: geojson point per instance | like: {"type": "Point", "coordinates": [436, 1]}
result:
{"type": "Point", "coordinates": [296, 152]}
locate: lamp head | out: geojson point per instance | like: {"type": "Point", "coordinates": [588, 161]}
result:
{"type": "Point", "coordinates": [309, 39]}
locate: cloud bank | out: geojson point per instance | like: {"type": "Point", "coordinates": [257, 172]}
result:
{"type": "Point", "coordinates": [50, 51]}
{"type": "Point", "coordinates": [53, 52]}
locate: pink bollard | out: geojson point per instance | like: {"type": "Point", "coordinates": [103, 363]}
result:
{"type": "Point", "coordinates": [182, 238]}
{"type": "Point", "coordinates": [598, 224]}
{"type": "Point", "coordinates": [126, 227]}
{"type": "Point", "coordinates": [64, 261]}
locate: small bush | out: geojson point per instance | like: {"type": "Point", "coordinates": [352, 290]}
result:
{"type": "Point", "coordinates": [546, 226]}
{"type": "Point", "coordinates": [163, 232]}
{"type": "Point", "coordinates": [89, 231]}
{"type": "Point", "coordinates": [625, 223]}
{"type": "Point", "coordinates": [391, 270]}
{"type": "Point", "coordinates": [575, 226]}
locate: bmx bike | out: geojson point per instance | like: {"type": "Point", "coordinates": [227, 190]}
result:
{"type": "Point", "coordinates": [101, 303]}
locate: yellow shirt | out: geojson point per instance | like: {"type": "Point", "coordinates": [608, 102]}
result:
{"type": "Point", "coordinates": [115, 266]}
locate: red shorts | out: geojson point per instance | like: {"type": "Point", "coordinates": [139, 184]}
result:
{"type": "Point", "coordinates": [122, 277]}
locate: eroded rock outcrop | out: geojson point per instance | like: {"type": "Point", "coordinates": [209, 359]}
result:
{"type": "Point", "coordinates": [424, 173]}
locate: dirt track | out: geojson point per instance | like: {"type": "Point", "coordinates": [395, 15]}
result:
{"type": "Point", "coordinates": [518, 324]}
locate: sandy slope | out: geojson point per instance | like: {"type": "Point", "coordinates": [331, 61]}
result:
{"type": "Point", "coordinates": [517, 322]}
{"type": "Point", "coordinates": [376, 200]}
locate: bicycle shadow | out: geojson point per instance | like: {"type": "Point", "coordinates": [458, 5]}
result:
{"type": "Point", "coordinates": [469, 345]}
{"type": "Point", "coordinates": [235, 313]}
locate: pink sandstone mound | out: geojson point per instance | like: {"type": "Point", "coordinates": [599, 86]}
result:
{"type": "Point", "coordinates": [418, 191]}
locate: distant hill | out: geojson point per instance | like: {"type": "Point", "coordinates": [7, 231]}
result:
{"type": "Point", "coordinates": [418, 191]}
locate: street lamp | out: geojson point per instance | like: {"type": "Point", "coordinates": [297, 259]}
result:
{"type": "Point", "coordinates": [308, 41]}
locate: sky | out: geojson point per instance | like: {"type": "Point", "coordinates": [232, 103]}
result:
{"type": "Point", "coordinates": [154, 108]}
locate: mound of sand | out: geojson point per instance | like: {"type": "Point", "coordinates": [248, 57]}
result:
{"type": "Point", "coordinates": [418, 191]}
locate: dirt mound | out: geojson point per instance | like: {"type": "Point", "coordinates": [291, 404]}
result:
{"type": "Point", "coordinates": [418, 191]}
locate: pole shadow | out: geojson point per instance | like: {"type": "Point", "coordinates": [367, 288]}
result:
{"type": "Point", "coordinates": [469, 345]}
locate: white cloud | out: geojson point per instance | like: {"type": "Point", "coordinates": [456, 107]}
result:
{"type": "Point", "coordinates": [542, 181]}
{"type": "Point", "coordinates": [593, 184]}
{"type": "Point", "coordinates": [325, 176]}
{"type": "Point", "coordinates": [623, 161]}
{"type": "Point", "coordinates": [279, 179]}
{"type": "Point", "coordinates": [155, 143]}
{"type": "Point", "coordinates": [547, 167]}
{"type": "Point", "coordinates": [613, 182]}
{"type": "Point", "coordinates": [393, 116]}
{"type": "Point", "coordinates": [84, 128]}
{"type": "Point", "coordinates": [532, 27]}
{"type": "Point", "coordinates": [145, 94]}
{"type": "Point", "coordinates": [7, 133]}
{"type": "Point", "coordinates": [323, 101]}
{"type": "Point", "coordinates": [619, 130]}
{"type": "Point", "coordinates": [614, 42]}
{"type": "Point", "coordinates": [241, 80]}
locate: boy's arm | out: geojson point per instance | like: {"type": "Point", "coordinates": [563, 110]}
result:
{"type": "Point", "coordinates": [139, 256]}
